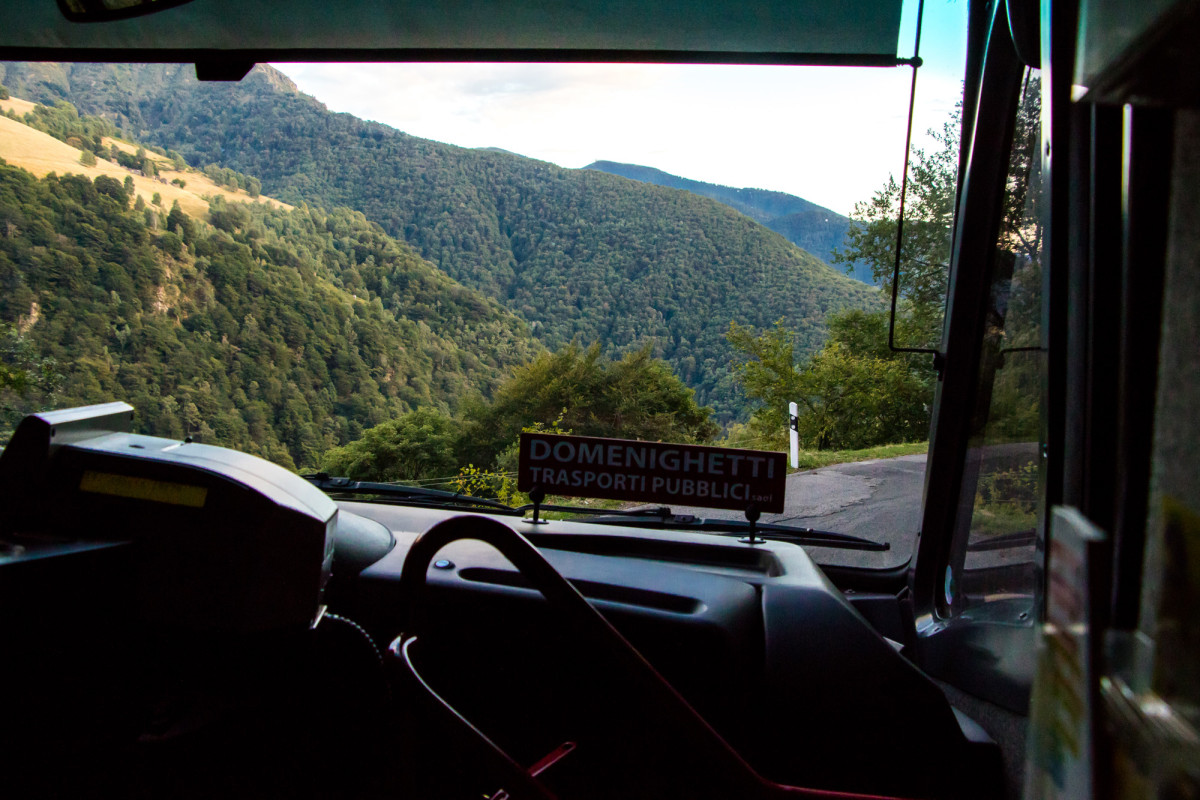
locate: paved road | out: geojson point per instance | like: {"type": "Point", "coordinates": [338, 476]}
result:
{"type": "Point", "coordinates": [878, 500]}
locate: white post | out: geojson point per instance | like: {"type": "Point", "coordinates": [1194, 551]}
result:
{"type": "Point", "coordinates": [794, 433]}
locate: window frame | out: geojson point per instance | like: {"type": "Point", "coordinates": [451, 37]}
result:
{"type": "Point", "coordinates": [992, 661]}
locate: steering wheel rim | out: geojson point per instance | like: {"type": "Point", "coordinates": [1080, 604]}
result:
{"type": "Point", "coordinates": [710, 747]}
{"type": "Point", "coordinates": [541, 575]}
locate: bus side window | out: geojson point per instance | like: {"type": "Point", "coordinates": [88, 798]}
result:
{"type": "Point", "coordinates": [1000, 502]}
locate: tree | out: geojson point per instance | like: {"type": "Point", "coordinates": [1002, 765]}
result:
{"type": "Point", "coordinates": [928, 228]}
{"type": "Point", "coordinates": [849, 401]}
{"type": "Point", "coordinates": [637, 397]}
{"type": "Point", "coordinates": [28, 379]}
{"type": "Point", "coordinates": [857, 392]}
{"type": "Point", "coordinates": [767, 373]}
{"type": "Point", "coordinates": [87, 158]}
{"type": "Point", "coordinates": [247, 337]}
{"type": "Point", "coordinates": [419, 444]}
{"type": "Point", "coordinates": [227, 216]}
{"type": "Point", "coordinates": [110, 186]}
{"type": "Point", "coordinates": [853, 393]}
{"type": "Point", "coordinates": [1011, 365]}
{"type": "Point", "coordinates": [126, 160]}
{"type": "Point", "coordinates": [180, 223]}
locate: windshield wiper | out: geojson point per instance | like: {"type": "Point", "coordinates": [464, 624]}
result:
{"type": "Point", "coordinates": [410, 495]}
{"type": "Point", "coordinates": [661, 518]}
{"type": "Point", "coordinates": [653, 518]}
{"type": "Point", "coordinates": [439, 498]}
{"type": "Point", "coordinates": [658, 517]}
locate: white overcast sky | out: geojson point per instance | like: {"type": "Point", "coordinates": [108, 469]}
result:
{"type": "Point", "coordinates": [829, 135]}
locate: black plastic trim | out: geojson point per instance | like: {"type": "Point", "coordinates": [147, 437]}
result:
{"type": "Point", "coordinates": [453, 55]}
{"type": "Point", "coordinates": [976, 232]}
{"type": "Point", "coordinates": [1145, 209]}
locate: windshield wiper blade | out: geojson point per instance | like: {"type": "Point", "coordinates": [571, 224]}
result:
{"type": "Point", "coordinates": [662, 518]}
{"type": "Point", "coordinates": [654, 518]}
{"type": "Point", "coordinates": [658, 517]}
{"type": "Point", "coordinates": [413, 495]}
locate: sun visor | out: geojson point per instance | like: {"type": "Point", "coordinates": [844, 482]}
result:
{"type": "Point", "coordinates": [733, 31]}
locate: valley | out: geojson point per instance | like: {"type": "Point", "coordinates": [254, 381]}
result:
{"type": "Point", "coordinates": [577, 254]}
{"type": "Point", "coordinates": [807, 225]}
{"type": "Point", "coordinates": [259, 272]}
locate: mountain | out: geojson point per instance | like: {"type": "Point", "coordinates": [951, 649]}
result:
{"type": "Point", "coordinates": [498, 150]}
{"type": "Point", "coordinates": [576, 253]}
{"type": "Point", "coordinates": [43, 139]}
{"type": "Point", "coordinates": [805, 224]}
{"type": "Point", "coordinates": [279, 332]}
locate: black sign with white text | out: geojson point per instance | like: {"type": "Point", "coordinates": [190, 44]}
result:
{"type": "Point", "coordinates": [652, 472]}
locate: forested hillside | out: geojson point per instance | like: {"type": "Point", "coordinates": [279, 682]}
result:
{"type": "Point", "coordinates": [576, 253]}
{"type": "Point", "coordinates": [803, 223]}
{"type": "Point", "coordinates": [282, 333]}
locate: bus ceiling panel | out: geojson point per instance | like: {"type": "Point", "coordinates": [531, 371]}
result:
{"type": "Point", "coordinates": [733, 31]}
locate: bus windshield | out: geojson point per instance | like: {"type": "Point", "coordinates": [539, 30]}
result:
{"type": "Point", "coordinates": [387, 272]}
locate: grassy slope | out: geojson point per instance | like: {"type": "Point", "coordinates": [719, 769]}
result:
{"type": "Point", "coordinates": [41, 154]}
{"type": "Point", "coordinates": [815, 459]}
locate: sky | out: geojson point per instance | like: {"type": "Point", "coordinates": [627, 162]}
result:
{"type": "Point", "coordinates": [829, 135]}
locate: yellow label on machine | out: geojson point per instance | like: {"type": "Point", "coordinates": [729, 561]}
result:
{"type": "Point", "coordinates": [177, 494]}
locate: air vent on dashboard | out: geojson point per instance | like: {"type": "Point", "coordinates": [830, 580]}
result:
{"type": "Point", "coordinates": [628, 595]}
{"type": "Point", "coordinates": [759, 561]}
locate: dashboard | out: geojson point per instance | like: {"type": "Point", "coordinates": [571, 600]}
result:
{"type": "Point", "coordinates": [161, 599]}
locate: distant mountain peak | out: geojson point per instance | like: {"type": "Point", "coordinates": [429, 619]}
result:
{"type": "Point", "coordinates": [611, 166]}
{"type": "Point", "coordinates": [274, 78]}
{"type": "Point", "coordinates": [803, 223]}
{"type": "Point", "coordinates": [499, 150]}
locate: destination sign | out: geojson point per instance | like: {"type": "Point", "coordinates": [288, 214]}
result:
{"type": "Point", "coordinates": [652, 472]}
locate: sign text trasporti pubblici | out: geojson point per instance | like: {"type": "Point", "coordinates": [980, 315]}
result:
{"type": "Point", "coordinates": [652, 472]}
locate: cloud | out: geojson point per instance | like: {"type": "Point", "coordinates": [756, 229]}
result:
{"type": "Point", "coordinates": [830, 135]}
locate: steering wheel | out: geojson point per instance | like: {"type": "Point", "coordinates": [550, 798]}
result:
{"type": "Point", "coordinates": [714, 769]}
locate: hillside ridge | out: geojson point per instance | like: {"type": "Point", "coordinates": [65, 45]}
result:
{"type": "Point", "coordinates": [40, 154]}
{"type": "Point", "coordinates": [280, 331]}
{"type": "Point", "coordinates": [802, 222]}
{"type": "Point", "coordinates": [577, 254]}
